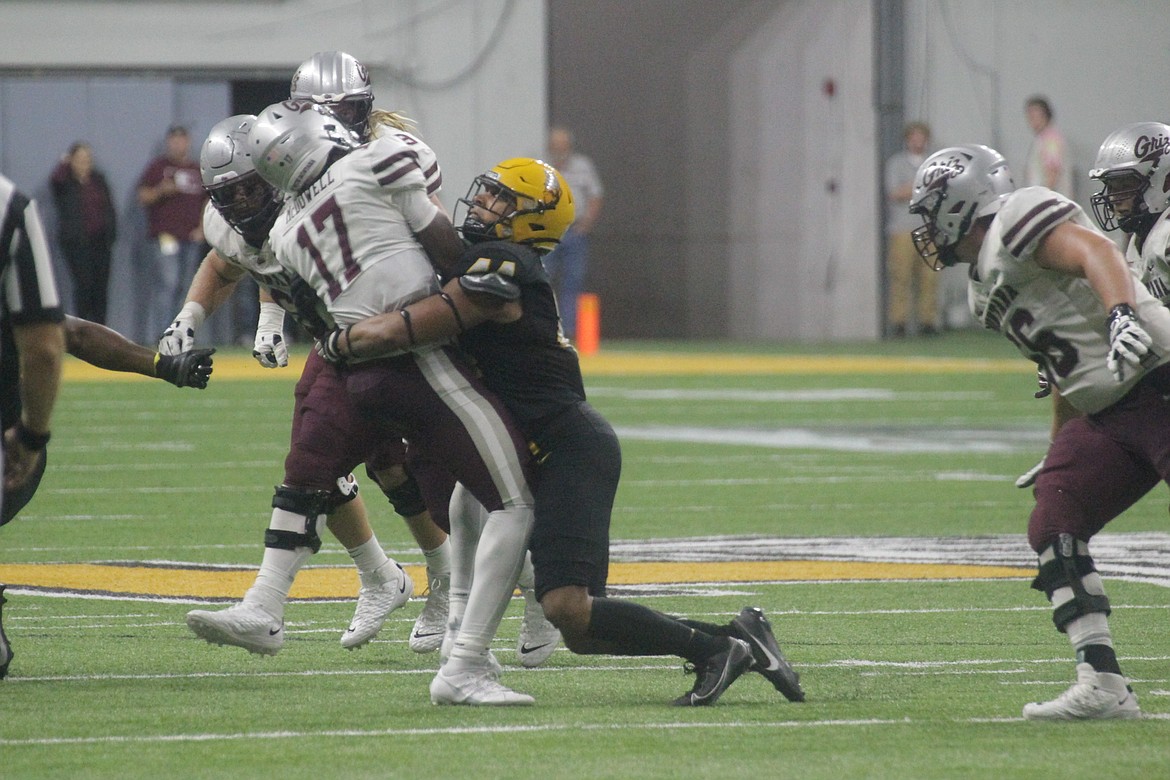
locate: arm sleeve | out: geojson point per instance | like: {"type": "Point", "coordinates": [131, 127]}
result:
{"type": "Point", "coordinates": [416, 206]}
{"type": "Point", "coordinates": [29, 288]}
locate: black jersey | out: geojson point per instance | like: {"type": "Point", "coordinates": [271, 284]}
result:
{"type": "Point", "coordinates": [528, 363]}
{"type": "Point", "coordinates": [28, 291]}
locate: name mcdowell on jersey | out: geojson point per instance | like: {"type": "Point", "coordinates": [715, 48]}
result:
{"type": "Point", "coordinates": [298, 202]}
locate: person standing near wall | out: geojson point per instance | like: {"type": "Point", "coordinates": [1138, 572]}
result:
{"type": "Point", "coordinates": [86, 228]}
{"type": "Point", "coordinates": [1047, 163]}
{"type": "Point", "coordinates": [568, 263]}
{"type": "Point", "coordinates": [171, 191]}
{"type": "Point", "coordinates": [910, 279]}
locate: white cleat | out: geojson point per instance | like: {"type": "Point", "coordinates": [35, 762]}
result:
{"type": "Point", "coordinates": [427, 634]}
{"type": "Point", "coordinates": [375, 603]}
{"type": "Point", "coordinates": [244, 625]}
{"type": "Point", "coordinates": [1094, 696]}
{"type": "Point", "coordinates": [538, 637]}
{"type": "Point", "coordinates": [477, 687]}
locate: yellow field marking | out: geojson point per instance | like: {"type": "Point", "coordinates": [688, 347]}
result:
{"type": "Point", "coordinates": [242, 366]}
{"type": "Point", "coordinates": [342, 583]}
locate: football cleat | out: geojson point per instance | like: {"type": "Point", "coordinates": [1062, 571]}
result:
{"type": "Point", "coordinates": [1094, 696]}
{"type": "Point", "coordinates": [538, 637]}
{"type": "Point", "coordinates": [375, 603]}
{"type": "Point", "coordinates": [752, 627]}
{"type": "Point", "coordinates": [427, 634]}
{"type": "Point", "coordinates": [716, 674]}
{"type": "Point", "coordinates": [476, 686]}
{"type": "Point", "coordinates": [243, 625]}
{"type": "Point", "coordinates": [6, 653]}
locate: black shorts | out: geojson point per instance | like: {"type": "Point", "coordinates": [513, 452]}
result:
{"type": "Point", "coordinates": [579, 463]}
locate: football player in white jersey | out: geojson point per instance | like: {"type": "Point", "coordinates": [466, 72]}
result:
{"type": "Point", "coordinates": [1132, 166]}
{"type": "Point", "coordinates": [1060, 290]}
{"type": "Point", "coordinates": [340, 82]}
{"type": "Point", "coordinates": [359, 227]}
{"type": "Point", "coordinates": [326, 442]}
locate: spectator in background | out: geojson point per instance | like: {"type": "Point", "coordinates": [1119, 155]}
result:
{"type": "Point", "coordinates": [568, 263]}
{"type": "Point", "coordinates": [171, 191]}
{"type": "Point", "coordinates": [86, 228]}
{"type": "Point", "coordinates": [1047, 163]}
{"type": "Point", "coordinates": [909, 278]}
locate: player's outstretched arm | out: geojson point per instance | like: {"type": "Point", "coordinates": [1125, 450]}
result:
{"type": "Point", "coordinates": [107, 349]}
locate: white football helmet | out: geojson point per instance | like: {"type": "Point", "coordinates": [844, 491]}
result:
{"type": "Point", "coordinates": [1132, 169]}
{"type": "Point", "coordinates": [293, 142]}
{"type": "Point", "coordinates": [337, 80]}
{"type": "Point", "coordinates": [953, 188]}
{"type": "Point", "coordinates": [242, 197]}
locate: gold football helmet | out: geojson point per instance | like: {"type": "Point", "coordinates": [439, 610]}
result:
{"type": "Point", "coordinates": [542, 204]}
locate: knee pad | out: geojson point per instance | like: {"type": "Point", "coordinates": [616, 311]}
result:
{"type": "Point", "coordinates": [406, 497]}
{"type": "Point", "coordinates": [313, 505]}
{"type": "Point", "coordinates": [1070, 580]}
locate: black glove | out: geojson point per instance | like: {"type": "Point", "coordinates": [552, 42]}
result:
{"type": "Point", "coordinates": [330, 348]}
{"type": "Point", "coordinates": [1045, 387]}
{"type": "Point", "coordinates": [190, 369]}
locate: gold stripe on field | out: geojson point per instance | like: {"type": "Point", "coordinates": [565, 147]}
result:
{"type": "Point", "coordinates": [242, 366]}
{"type": "Point", "coordinates": [342, 583]}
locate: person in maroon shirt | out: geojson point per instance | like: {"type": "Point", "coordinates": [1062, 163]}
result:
{"type": "Point", "coordinates": [86, 228]}
{"type": "Point", "coordinates": [171, 191]}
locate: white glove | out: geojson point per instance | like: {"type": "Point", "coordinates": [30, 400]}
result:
{"type": "Point", "coordinates": [1028, 478]}
{"type": "Point", "coordinates": [270, 350]}
{"type": "Point", "coordinates": [1128, 341]}
{"type": "Point", "coordinates": [180, 337]}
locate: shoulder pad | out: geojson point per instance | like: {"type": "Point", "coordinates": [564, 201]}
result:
{"type": "Point", "coordinates": [1029, 215]}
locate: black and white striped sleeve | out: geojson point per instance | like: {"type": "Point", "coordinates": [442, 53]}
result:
{"type": "Point", "coordinates": [27, 285]}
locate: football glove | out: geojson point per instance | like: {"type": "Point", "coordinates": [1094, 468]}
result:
{"type": "Point", "coordinates": [330, 348]}
{"type": "Point", "coordinates": [180, 337]}
{"type": "Point", "coordinates": [1128, 340]}
{"type": "Point", "coordinates": [270, 350]}
{"type": "Point", "coordinates": [1028, 478]}
{"type": "Point", "coordinates": [190, 369]}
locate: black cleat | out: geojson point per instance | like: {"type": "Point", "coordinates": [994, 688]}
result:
{"type": "Point", "coordinates": [5, 648]}
{"type": "Point", "coordinates": [752, 627]}
{"type": "Point", "coordinates": [717, 673]}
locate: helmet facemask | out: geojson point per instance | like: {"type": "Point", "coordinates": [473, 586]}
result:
{"type": "Point", "coordinates": [1121, 201]}
{"type": "Point", "coordinates": [248, 203]}
{"type": "Point", "coordinates": [934, 246]}
{"type": "Point", "coordinates": [487, 196]}
{"type": "Point", "coordinates": [354, 113]}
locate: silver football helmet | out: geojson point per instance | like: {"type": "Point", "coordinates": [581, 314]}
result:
{"type": "Point", "coordinates": [293, 142]}
{"type": "Point", "coordinates": [337, 80]}
{"type": "Point", "coordinates": [242, 197]}
{"type": "Point", "coordinates": [1132, 168]}
{"type": "Point", "coordinates": [953, 188]}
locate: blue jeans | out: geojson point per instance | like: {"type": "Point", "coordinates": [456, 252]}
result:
{"type": "Point", "coordinates": [566, 266]}
{"type": "Point", "coordinates": [169, 277]}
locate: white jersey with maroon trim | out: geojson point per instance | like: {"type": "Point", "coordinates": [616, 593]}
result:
{"type": "Point", "coordinates": [1054, 319]}
{"type": "Point", "coordinates": [349, 234]}
{"type": "Point", "coordinates": [1152, 262]}
{"type": "Point", "coordinates": [227, 242]}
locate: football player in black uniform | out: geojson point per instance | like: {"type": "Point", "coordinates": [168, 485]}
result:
{"type": "Point", "coordinates": [499, 301]}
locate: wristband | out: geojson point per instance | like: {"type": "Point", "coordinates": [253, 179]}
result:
{"type": "Point", "coordinates": [194, 311]}
{"type": "Point", "coordinates": [33, 442]}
